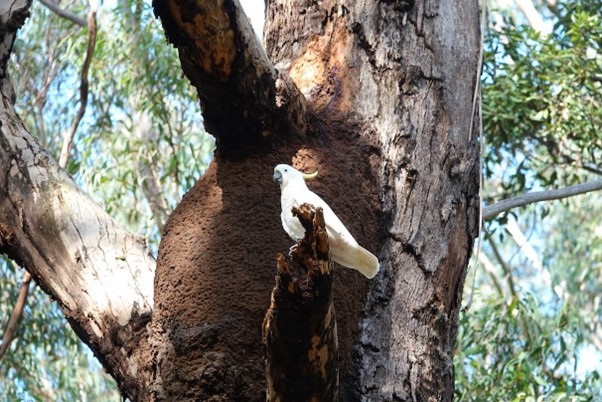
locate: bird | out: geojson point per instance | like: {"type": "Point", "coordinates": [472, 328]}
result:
{"type": "Point", "coordinates": [344, 249]}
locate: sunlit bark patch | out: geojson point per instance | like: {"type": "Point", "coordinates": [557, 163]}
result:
{"type": "Point", "coordinates": [207, 25]}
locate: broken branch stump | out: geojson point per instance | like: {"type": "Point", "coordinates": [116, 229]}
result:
{"type": "Point", "coordinates": [300, 330]}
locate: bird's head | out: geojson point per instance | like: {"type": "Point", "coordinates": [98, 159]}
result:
{"type": "Point", "coordinates": [285, 174]}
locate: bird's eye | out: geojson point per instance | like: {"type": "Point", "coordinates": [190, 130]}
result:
{"type": "Point", "coordinates": [286, 170]}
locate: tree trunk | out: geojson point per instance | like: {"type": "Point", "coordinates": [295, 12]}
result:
{"type": "Point", "coordinates": [377, 96]}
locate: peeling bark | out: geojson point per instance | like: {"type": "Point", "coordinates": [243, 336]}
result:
{"type": "Point", "coordinates": [300, 329]}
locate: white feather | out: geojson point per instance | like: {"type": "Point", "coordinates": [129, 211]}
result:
{"type": "Point", "coordinates": [344, 249]}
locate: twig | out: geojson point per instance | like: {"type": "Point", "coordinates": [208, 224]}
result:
{"type": "Point", "coordinates": [525, 199]}
{"type": "Point", "coordinates": [15, 317]}
{"type": "Point", "coordinates": [83, 89]}
{"type": "Point", "coordinates": [52, 6]}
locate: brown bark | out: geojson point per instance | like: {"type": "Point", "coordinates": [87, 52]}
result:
{"type": "Point", "coordinates": [246, 102]}
{"type": "Point", "coordinates": [215, 272]}
{"type": "Point", "coordinates": [409, 74]}
{"type": "Point", "coordinates": [300, 329]}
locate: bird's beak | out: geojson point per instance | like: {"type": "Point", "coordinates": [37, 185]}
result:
{"type": "Point", "coordinates": [277, 177]}
{"type": "Point", "coordinates": [310, 176]}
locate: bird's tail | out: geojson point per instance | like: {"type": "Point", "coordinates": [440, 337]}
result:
{"type": "Point", "coordinates": [360, 259]}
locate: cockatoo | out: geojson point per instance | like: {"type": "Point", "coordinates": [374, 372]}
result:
{"type": "Point", "coordinates": [344, 250]}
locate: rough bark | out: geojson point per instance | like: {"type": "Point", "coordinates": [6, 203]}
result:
{"type": "Point", "coordinates": [215, 266]}
{"type": "Point", "coordinates": [100, 275]}
{"type": "Point", "coordinates": [245, 100]}
{"type": "Point", "coordinates": [405, 77]}
{"type": "Point", "coordinates": [408, 71]}
{"type": "Point", "coordinates": [215, 271]}
{"type": "Point", "coordinates": [300, 328]}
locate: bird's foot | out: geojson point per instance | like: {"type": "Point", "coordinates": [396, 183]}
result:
{"type": "Point", "coordinates": [293, 248]}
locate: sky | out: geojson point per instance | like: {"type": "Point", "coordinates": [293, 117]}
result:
{"type": "Point", "coordinates": [255, 11]}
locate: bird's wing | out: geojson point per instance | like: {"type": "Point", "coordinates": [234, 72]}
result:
{"type": "Point", "coordinates": [344, 249]}
{"type": "Point", "coordinates": [292, 226]}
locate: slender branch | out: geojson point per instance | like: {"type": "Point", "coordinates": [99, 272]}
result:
{"type": "Point", "coordinates": [490, 270]}
{"type": "Point", "coordinates": [148, 168]}
{"type": "Point", "coordinates": [477, 87]}
{"type": "Point", "coordinates": [532, 15]}
{"type": "Point", "coordinates": [592, 169]}
{"type": "Point", "coordinates": [83, 89]}
{"type": "Point", "coordinates": [491, 211]}
{"type": "Point", "coordinates": [15, 317]}
{"type": "Point", "coordinates": [52, 6]}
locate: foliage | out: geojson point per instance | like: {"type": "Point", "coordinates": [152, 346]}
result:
{"type": "Point", "coordinates": [538, 335]}
{"type": "Point", "coordinates": [140, 146]}
{"type": "Point", "coordinates": [534, 332]}
{"type": "Point", "coordinates": [542, 102]}
{"type": "Point", "coordinates": [46, 361]}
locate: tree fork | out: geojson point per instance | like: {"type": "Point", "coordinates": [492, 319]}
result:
{"type": "Point", "coordinates": [300, 330]}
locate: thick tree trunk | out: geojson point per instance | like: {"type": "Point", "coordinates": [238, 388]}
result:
{"type": "Point", "coordinates": [410, 74]}
{"type": "Point", "coordinates": [216, 260]}
{"type": "Point", "coordinates": [403, 79]}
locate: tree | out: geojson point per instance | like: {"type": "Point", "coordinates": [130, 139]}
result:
{"type": "Point", "coordinates": [379, 97]}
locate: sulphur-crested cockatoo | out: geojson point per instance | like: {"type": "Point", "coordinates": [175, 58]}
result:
{"type": "Point", "coordinates": [343, 247]}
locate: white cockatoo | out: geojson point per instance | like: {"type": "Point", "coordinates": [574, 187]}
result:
{"type": "Point", "coordinates": [343, 247]}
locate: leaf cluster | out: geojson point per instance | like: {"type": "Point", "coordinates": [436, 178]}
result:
{"type": "Point", "coordinates": [542, 101]}
{"type": "Point", "coordinates": [46, 360]}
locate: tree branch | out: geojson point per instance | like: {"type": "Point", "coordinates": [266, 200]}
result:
{"type": "Point", "coordinates": [491, 211]}
{"type": "Point", "coordinates": [52, 6]}
{"type": "Point", "coordinates": [101, 275]}
{"type": "Point", "coordinates": [532, 15]}
{"type": "Point", "coordinates": [17, 312]}
{"type": "Point", "coordinates": [83, 89]}
{"type": "Point", "coordinates": [511, 285]}
{"type": "Point", "coordinates": [16, 315]}
{"type": "Point", "coordinates": [147, 170]}
{"type": "Point", "coordinates": [245, 100]}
